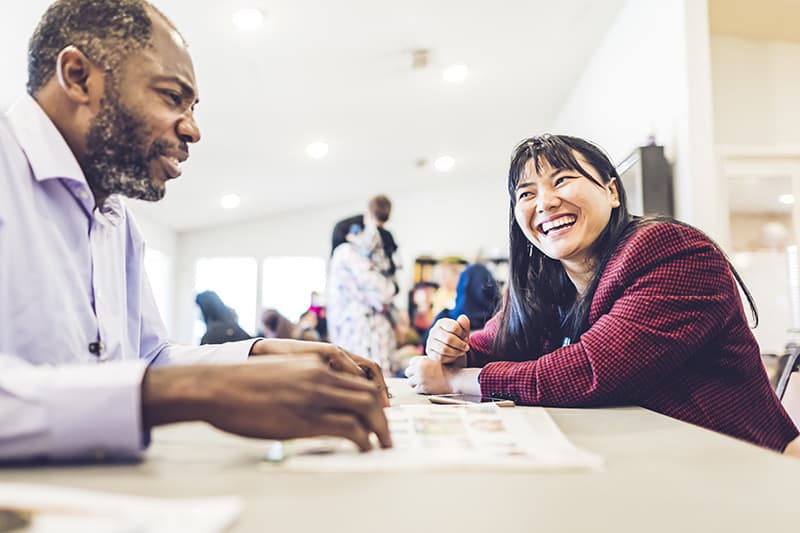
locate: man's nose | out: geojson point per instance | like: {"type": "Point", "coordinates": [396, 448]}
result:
{"type": "Point", "coordinates": [188, 130]}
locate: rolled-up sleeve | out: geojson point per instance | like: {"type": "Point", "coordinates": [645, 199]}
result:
{"type": "Point", "coordinates": [70, 411]}
{"type": "Point", "coordinates": [227, 353]}
{"type": "Point", "coordinates": [157, 350]}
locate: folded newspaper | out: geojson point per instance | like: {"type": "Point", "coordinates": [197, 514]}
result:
{"type": "Point", "coordinates": [50, 509]}
{"type": "Point", "coordinates": [480, 436]}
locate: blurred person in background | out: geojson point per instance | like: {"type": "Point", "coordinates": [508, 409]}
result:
{"type": "Point", "coordinates": [307, 327]}
{"type": "Point", "coordinates": [378, 211]}
{"type": "Point", "coordinates": [320, 316]}
{"type": "Point", "coordinates": [360, 292]}
{"type": "Point", "coordinates": [221, 321]}
{"type": "Point", "coordinates": [409, 344]}
{"type": "Point", "coordinates": [275, 326]}
{"type": "Point", "coordinates": [477, 296]}
{"type": "Point", "coordinates": [446, 273]}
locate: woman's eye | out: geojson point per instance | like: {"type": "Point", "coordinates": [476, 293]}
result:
{"type": "Point", "coordinates": [562, 179]}
{"type": "Point", "coordinates": [525, 194]}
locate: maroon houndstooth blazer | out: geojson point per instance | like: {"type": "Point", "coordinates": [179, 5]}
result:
{"type": "Point", "coordinates": [667, 331]}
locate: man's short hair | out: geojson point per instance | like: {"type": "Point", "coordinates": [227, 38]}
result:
{"type": "Point", "coordinates": [380, 207]}
{"type": "Point", "coordinates": [106, 31]}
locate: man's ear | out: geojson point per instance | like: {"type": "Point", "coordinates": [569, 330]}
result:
{"type": "Point", "coordinates": [77, 75]}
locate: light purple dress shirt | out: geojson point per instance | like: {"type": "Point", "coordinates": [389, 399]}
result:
{"type": "Point", "coordinates": [70, 276]}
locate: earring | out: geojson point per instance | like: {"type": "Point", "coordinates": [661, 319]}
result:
{"type": "Point", "coordinates": [530, 250]}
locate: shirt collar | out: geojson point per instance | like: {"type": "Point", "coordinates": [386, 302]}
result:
{"type": "Point", "coordinates": [48, 153]}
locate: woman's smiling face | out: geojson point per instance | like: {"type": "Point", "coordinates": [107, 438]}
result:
{"type": "Point", "coordinates": [562, 212]}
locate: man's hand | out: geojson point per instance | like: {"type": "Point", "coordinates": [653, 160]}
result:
{"type": "Point", "coordinates": [335, 356]}
{"type": "Point", "coordinates": [447, 340]}
{"type": "Point", "coordinates": [275, 398]}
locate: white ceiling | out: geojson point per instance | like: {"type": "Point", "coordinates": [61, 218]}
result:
{"type": "Point", "coordinates": [341, 72]}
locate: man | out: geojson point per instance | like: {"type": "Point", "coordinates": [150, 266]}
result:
{"type": "Point", "coordinates": [378, 210]}
{"type": "Point", "coordinates": [85, 367]}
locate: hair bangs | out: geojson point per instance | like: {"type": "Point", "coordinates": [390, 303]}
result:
{"type": "Point", "coordinates": [543, 150]}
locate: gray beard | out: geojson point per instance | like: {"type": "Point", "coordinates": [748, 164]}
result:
{"type": "Point", "coordinates": [117, 160]}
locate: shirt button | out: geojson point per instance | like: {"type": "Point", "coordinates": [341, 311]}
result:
{"type": "Point", "coordinates": [96, 348]}
{"type": "Point", "coordinates": [84, 195]}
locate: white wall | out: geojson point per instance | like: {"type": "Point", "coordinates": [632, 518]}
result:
{"type": "Point", "coordinates": [165, 241]}
{"type": "Point", "coordinates": [756, 86]}
{"type": "Point", "coordinates": [438, 221]}
{"type": "Point", "coordinates": [651, 76]}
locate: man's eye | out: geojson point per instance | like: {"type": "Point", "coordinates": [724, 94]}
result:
{"type": "Point", "coordinates": [173, 97]}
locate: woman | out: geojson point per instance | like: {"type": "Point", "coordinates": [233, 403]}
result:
{"type": "Point", "coordinates": [221, 323]}
{"type": "Point", "coordinates": [275, 325]}
{"type": "Point", "coordinates": [603, 308]}
{"type": "Point", "coordinates": [476, 297]}
{"type": "Point", "coordinates": [360, 293]}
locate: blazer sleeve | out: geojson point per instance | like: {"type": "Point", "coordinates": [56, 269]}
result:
{"type": "Point", "coordinates": [481, 341]}
{"type": "Point", "coordinates": [677, 292]}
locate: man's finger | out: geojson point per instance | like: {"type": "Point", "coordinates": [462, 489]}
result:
{"type": "Point", "coordinates": [348, 381]}
{"type": "Point", "coordinates": [369, 369]}
{"type": "Point", "coordinates": [343, 425]}
{"type": "Point", "coordinates": [373, 372]}
{"type": "Point", "coordinates": [361, 366]}
{"type": "Point", "coordinates": [371, 409]}
{"type": "Point", "coordinates": [339, 360]}
{"type": "Point", "coordinates": [359, 403]}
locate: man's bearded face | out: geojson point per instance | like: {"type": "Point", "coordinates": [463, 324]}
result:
{"type": "Point", "coordinates": [118, 160]}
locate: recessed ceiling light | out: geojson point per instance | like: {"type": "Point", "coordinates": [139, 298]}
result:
{"type": "Point", "coordinates": [317, 150]}
{"type": "Point", "coordinates": [787, 199]}
{"type": "Point", "coordinates": [455, 73]}
{"type": "Point", "coordinates": [230, 201]}
{"type": "Point", "coordinates": [248, 19]}
{"type": "Point", "coordinates": [444, 163]}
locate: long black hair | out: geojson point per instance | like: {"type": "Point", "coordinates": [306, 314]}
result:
{"type": "Point", "coordinates": [213, 308]}
{"type": "Point", "coordinates": [541, 304]}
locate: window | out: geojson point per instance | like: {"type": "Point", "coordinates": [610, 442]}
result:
{"type": "Point", "coordinates": [234, 280]}
{"type": "Point", "coordinates": [288, 284]}
{"type": "Point", "coordinates": [158, 267]}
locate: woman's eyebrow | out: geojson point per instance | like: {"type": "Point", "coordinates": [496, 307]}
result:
{"type": "Point", "coordinates": [523, 184]}
{"type": "Point", "coordinates": [558, 171]}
